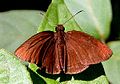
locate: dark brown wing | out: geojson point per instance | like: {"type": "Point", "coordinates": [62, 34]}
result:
{"type": "Point", "coordinates": [83, 50]}
{"type": "Point", "coordinates": [40, 49]}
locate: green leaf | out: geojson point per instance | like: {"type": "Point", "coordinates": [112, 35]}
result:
{"type": "Point", "coordinates": [12, 71]}
{"type": "Point", "coordinates": [58, 13]}
{"type": "Point", "coordinates": [99, 80]}
{"type": "Point", "coordinates": [46, 80]}
{"type": "Point", "coordinates": [17, 26]}
{"type": "Point", "coordinates": [95, 19]}
{"type": "Point", "coordinates": [112, 66]}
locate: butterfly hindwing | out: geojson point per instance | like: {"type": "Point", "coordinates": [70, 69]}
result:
{"type": "Point", "coordinates": [50, 60]}
{"type": "Point", "coordinates": [73, 64]}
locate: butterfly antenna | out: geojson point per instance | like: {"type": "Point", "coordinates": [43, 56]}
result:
{"type": "Point", "coordinates": [46, 18]}
{"type": "Point", "coordinates": [73, 16]}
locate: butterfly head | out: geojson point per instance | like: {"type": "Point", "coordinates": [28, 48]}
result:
{"type": "Point", "coordinates": [59, 28]}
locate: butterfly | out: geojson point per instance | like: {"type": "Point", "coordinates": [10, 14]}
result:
{"type": "Point", "coordinates": [70, 52]}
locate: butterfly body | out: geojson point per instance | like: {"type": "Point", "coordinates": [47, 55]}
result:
{"type": "Point", "coordinates": [71, 52]}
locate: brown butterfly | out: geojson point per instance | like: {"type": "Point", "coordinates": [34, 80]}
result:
{"type": "Point", "coordinates": [69, 52]}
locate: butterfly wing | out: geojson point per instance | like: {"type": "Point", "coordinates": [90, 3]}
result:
{"type": "Point", "coordinates": [32, 49]}
{"type": "Point", "coordinates": [84, 50]}
{"type": "Point", "coordinates": [73, 65]}
{"type": "Point", "coordinates": [50, 60]}
{"type": "Point", "coordinates": [40, 49]}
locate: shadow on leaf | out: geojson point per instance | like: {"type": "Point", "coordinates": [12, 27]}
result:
{"type": "Point", "coordinates": [93, 72]}
{"type": "Point", "coordinates": [35, 78]}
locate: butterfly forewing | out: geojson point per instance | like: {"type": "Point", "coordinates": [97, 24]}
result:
{"type": "Point", "coordinates": [87, 50]}
{"type": "Point", "coordinates": [31, 49]}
